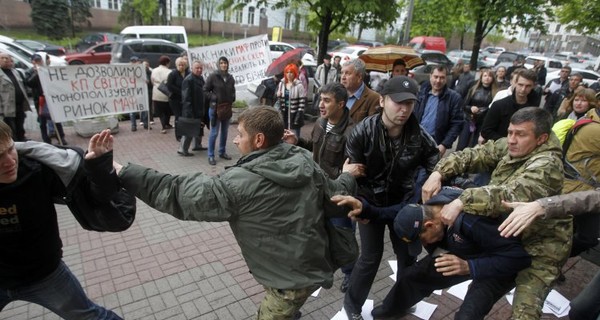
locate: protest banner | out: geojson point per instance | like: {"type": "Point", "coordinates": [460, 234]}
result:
{"type": "Point", "coordinates": [87, 91]}
{"type": "Point", "coordinates": [248, 58]}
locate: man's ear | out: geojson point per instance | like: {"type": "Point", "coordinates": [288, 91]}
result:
{"type": "Point", "coordinates": [259, 141]}
{"type": "Point", "coordinates": [542, 139]}
{"type": "Point", "coordinates": [381, 99]}
{"type": "Point", "coordinates": [428, 224]}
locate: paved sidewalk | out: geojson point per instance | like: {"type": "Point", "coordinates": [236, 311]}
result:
{"type": "Point", "coordinates": [162, 268]}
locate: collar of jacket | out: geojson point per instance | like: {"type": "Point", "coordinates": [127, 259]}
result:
{"type": "Point", "coordinates": [339, 128]}
{"type": "Point", "coordinates": [552, 146]}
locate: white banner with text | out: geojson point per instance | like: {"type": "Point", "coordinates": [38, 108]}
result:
{"type": "Point", "coordinates": [87, 91]}
{"type": "Point", "coordinates": [248, 58]}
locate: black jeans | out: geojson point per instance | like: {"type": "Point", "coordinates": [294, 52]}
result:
{"type": "Point", "coordinates": [421, 279]}
{"type": "Point", "coordinates": [365, 268]}
{"type": "Point", "coordinates": [16, 124]}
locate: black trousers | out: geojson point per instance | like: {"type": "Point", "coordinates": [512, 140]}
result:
{"type": "Point", "coordinates": [17, 125]}
{"type": "Point", "coordinates": [421, 279]}
{"type": "Point", "coordinates": [365, 268]}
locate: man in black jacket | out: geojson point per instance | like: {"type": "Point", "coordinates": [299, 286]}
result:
{"type": "Point", "coordinates": [194, 106]}
{"type": "Point", "coordinates": [32, 176]}
{"type": "Point", "coordinates": [391, 145]}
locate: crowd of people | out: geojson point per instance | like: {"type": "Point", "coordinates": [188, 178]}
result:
{"type": "Point", "coordinates": [473, 171]}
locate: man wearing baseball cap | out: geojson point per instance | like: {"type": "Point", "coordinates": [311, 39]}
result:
{"type": "Point", "coordinates": [391, 145]}
{"type": "Point", "coordinates": [471, 248]}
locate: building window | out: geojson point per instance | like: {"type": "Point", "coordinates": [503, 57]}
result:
{"type": "Point", "coordinates": [181, 8]}
{"type": "Point", "coordinates": [227, 15]}
{"type": "Point", "coordinates": [557, 28]}
{"type": "Point", "coordinates": [297, 20]}
{"type": "Point", "coordinates": [196, 13]}
{"type": "Point", "coordinates": [251, 15]}
{"type": "Point", "coordinates": [239, 15]}
{"type": "Point", "coordinates": [288, 17]}
{"type": "Point", "coordinates": [113, 4]}
{"type": "Point", "coordinates": [263, 13]}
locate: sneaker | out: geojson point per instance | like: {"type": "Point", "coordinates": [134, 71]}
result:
{"type": "Point", "coordinates": [133, 128]}
{"type": "Point", "coordinates": [345, 283]}
{"type": "Point", "coordinates": [353, 316]}
{"type": "Point", "coordinates": [211, 161]}
{"type": "Point", "coordinates": [225, 156]}
{"type": "Point", "coordinates": [151, 122]}
{"type": "Point", "coordinates": [163, 131]}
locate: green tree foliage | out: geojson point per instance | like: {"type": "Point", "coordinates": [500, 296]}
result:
{"type": "Point", "coordinates": [426, 21]}
{"type": "Point", "coordinates": [582, 15]}
{"type": "Point", "coordinates": [484, 15]}
{"type": "Point", "coordinates": [81, 12]}
{"type": "Point", "coordinates": [51, 18]}
{"type": "Point", "coordinates": [326, 16]}
{"type": "Point", "coordinates": [139, 12]}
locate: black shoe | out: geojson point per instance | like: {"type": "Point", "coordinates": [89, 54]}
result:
{"type": "Point", "coordinates": [185, 153]}
{"type": "Point", "coordinates": [211, 161]}
{"type": "Point", "coordinates": [168, 126]}
{"type": "Point", "coordinates": [225, 156]}
{"type": "Point", "coordinates": [297, 315]}
{"type": "Point", "coordinates": [200, 148]}
{"type": "Point", "coordinates": [382, 313]}
{"type": "Point", "coordinates": [133, 128]}
{"type": "Point", "coordinates": [345, 283]}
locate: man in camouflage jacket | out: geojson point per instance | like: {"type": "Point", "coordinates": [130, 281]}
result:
{"type": "Point", "coordinates": [526, 166]}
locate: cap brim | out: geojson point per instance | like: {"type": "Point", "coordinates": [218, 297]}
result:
{"type": "Point", "coordinates": [402, 96]}
{"type": "Point", "coordinates": [414, 248]}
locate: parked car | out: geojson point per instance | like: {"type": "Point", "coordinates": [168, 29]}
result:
{"type": "Point", "coordinates": [465, 56]}
{"type": "Point", "coordinates": [550, 63]}
{"type": "Point", "coordinates": [432, 58]}
{"type": "Point", "coordinates": [43, 46]}
{"type": "Point", "coordinates": [100, 53]}
{"type": "Point", "coordinates": [93, 39]}
{"type": "Point", "coordinates": [26, 52]}
{"type": "Point", "coordinates": [311, 68]}
{"type": "Point", "coordinates": [348, 53]}
{"type": "Point", "coordinates": [332, 44]}
{"type": "Point", "coordinates": [150, 49]}
{"type": "Point", "coordinates": [589, 76]}
{"type": "Point", "coordinates": [304, 45]}
{"type": "Point", "coordinates": [369, 43]}
{"type": "Point", "coordinates": [428, 43]}
{"type": "Point", "coordinates": [279, 48]}
{"type": "Point", "coordinates": [506, 58]}
{"type": "Point", "coordinates": [494, 49]}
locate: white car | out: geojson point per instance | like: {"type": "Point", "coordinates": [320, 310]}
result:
{"type": "Point", "coordinates": [589, 77]}
{"type": "Point", "coordinates": [348, 53]}
{"type": "Point", "coordinates": [279, 48]}
{"type": "Point", "coordinates": [550, 63]}
{"type": "Point", "coordinates": [26, 52]}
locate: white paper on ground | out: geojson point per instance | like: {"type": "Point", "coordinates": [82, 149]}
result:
{"type": "Point", "coordinates": [555, 303]}
{"type": "Point", "coordinates": [394, 266]}
{"type": "Point", "coordinates": [510, 295]}
{"type": "Point", "coordinates": [424, 310]}
{"type": "Point", "coordinates": [366, 312]}
{"type": "Point", "coordinates": [438, 292]}
{"type": "Point", "coordinates": [460, 290]}
{"type": "Point", "coordinates": [316, 293]}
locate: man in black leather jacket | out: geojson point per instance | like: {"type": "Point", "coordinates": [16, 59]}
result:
{"type": "Point", "coordinates": [391, 145]}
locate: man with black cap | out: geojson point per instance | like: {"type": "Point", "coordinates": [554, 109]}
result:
{"type": "Point", "coordinates": [391, 145]}
{"type": "Point", "coordinates": [325, 73]}
{"type": "Point", "coordinates": [470, 248]}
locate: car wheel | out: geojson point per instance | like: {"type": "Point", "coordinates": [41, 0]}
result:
{"type": "Point", "coordinates": [75, 62]}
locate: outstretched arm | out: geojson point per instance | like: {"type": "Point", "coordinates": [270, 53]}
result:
{"type": "Point", "coordinates": [100, 144]}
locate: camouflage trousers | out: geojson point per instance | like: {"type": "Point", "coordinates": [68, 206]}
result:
{"type": "Point", "coordinates": [280, 304]}
{"type": "Point", "coordinates": [549, 244]}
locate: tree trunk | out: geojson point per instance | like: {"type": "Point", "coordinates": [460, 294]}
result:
{"type": "Point", "coordinates": [209, 27]}
{"type": "Point", "coordinates": [478, 38]}
{"type": "Point", "coordinates": [360, 30]}
{"type": "Point", "coordinates": [326, 21]}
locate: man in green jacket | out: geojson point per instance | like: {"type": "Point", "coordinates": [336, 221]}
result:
{"type": "Point", "coordinates": [276, 199]}
{"type": "Point", "coordinates": [526, 166]}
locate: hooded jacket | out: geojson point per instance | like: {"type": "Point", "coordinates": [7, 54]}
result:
{"type": "Point", "coordinates": [31, 245]}
{"type": "Point", "coordinates": [275, 201]}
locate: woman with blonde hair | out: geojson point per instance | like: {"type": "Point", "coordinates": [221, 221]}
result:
{"type": "Point", "coordinates": [292, 99]}
{"type": "Point", "coordinates": [582, 101]}
{"type": "Point", "coordinates": [476, 105]}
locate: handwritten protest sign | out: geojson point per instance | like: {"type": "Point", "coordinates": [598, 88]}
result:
{"type": "Point", "coordinates": [87, 91]}
{"type": "Point", "coordinates": [248, 58]}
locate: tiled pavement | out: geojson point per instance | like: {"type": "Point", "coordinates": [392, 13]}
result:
{"type": "Point", "coordinates": [162, 268]}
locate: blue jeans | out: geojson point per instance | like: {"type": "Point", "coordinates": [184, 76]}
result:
{"type": "Point", "coordinates": [61, 293]}
{"type": "Point", "coordinates": [144, 118]}
{"type": "Point", "coordinates": [215, 125]}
